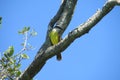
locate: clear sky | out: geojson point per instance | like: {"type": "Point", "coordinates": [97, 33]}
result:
{"type": "Point", "coordinates": [94, 56]}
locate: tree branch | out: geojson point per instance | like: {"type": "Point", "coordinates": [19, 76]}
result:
{"type": "Point", "coordinates": [81, 29]}
{"type": "Point", "coordinates": [57, 16]}
{"type": "Point", "coordinates": [66, 16]}
{"type": "Point", "coordinates": [40, 59]}
{"type": "Point", "coordinates": [47, 51]}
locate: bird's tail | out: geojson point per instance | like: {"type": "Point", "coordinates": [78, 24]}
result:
{"type": "Point", "coordinates": [59, 57]}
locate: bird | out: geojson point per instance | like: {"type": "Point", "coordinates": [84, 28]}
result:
{"type": "Point", "coordinates": [55, 38]}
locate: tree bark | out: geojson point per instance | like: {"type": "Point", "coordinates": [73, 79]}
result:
{"type": "Point", "coordinates": [62, 19]}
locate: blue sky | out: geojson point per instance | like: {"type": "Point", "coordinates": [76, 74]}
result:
{"type": "Point", "coordinates": [94, 56]}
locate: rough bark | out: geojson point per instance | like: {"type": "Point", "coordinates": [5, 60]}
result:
{"type": "Point", "coordinates": [62, 19]}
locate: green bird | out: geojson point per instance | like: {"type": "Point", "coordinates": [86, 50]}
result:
{"type": "Point", "coordinates": [55, 38]}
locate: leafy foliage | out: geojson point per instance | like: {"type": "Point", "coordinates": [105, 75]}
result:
{"type": "Point", "coordinates": [24, 30]}
{"type": "Point", "coordinates": [9, 67]}
{"type": "Point", "coordinates": [10, 62]}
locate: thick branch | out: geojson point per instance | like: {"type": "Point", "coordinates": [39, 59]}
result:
{"type": "Point", "coordinates": [57, 16]}
{"type": "Point", "coordinates": [40, 59]}
{"type": "Point", "coordinates": [66, 16]}
{"type": "Point", "coordinates": [63, 16]}
{"type": "Point", "coordinates": [48, 52]}
{"type": "Point", "coordinates": [80, 30]}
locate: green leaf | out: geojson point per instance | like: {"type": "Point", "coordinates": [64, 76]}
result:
{"type": "Point", "coordinates": [25, 29]}
{"type": "Point", "coordinates": [25, 56]}
{"type": "Point", "coordinates": [4, 65]}
{"type": "Point", "coordinates": [9, 52]}
{"type": "Point", "coordinates": [11, 60]}
{"type": "Point", "coordinates": [10, 69]}
{"type": "Point", "coordinates": [18, 73]}
{"type": "Point", "coordinates": [3, 59]}
{"type": "Point", "coordinates": [20, 32]}
{"type": "Point", "coordinates": [6, 55]}
{"type": "Point", "coordinates": [17, 66]}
